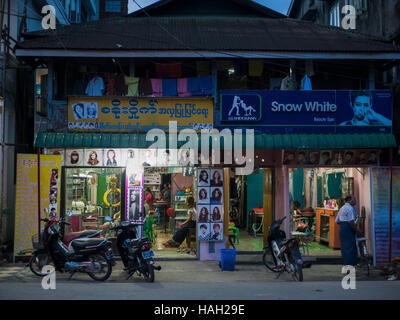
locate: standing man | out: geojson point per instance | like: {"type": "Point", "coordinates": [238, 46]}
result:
{"type": "Point", "coordinates": [348, 231]}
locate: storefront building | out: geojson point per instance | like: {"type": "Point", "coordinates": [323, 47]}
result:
{"type": "Point", "coordinates": [321, 157]}
{"type": "Point", "coordinates": [97, 100]}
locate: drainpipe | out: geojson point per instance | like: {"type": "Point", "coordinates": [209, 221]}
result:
{"type": "Point", "coordinates": [390, 204]}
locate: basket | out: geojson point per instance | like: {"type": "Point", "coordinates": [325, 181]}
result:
{"type": "Point", "coordinates": [228, 259]}
{"type": "Point", "coordinates": [36, 243]}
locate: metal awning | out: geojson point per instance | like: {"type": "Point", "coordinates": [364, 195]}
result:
{"type": "Point", "coordinates": [261, 141]}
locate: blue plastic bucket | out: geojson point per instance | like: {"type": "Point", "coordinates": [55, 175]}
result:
{"type": "Point", "coordinates": [228, 259]}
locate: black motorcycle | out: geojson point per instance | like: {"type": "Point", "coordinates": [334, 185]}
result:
{"type": "Point", "coordinates": [91, 256]}
{"type": "Point", "coordinates": [136, 254]}
{"type": "Point", "coordinates": [283, 254]}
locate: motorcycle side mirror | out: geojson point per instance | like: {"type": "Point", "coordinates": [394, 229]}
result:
{"type": "Point", "coordinates": [108, 219]}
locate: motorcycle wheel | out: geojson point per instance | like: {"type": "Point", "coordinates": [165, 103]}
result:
{"type": "Point", "coordinates": [269, 260]}
{"type": "Point", "coordinates": [37, 262]}
{"type": "Point", "coordinates": [101, 258]}
{"type": "Point", "coordinates": [149, 273]}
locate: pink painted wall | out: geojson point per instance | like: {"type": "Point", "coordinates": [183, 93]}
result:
{"type": "Point", "coordinates": [179, 181]}
{"type": "Point", "coordinates": [362, 190]}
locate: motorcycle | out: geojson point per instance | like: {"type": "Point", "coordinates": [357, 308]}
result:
{"type": "Point", "coordinates": [136, 254]}
{"type": "Point", "coordinates": [282, 254]}
{"type": "Point", "coordinates": [91, 256]}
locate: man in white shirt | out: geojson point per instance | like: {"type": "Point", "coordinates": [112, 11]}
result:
{"type": "Point", "coordinates": [347, 219]}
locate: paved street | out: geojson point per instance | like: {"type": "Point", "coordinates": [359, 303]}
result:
{"type": "Point", "coordinates": [199, 280]}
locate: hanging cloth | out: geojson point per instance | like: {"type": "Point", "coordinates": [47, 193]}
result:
{"type": "Point", "coordinates": [256, 67]}
{"type": "Point", "coordinates": [306, 83]}
{"type": "Point", "coordinates": [156, 85]}
{"type": "Point", "coordinates": [169, 88]}
{"type": "Point", "coordinates": [121, 89]}
{"type": "Point", "coordinates": [203, 68]}
{"type": "Point", "coordinates": [206, 85]}
{"type": "Point", "coordinates": [145, 88]}
{"type": "Point", "coordinates": [111, 87]}
{"type": "Point", "coordinates": [288, 84]}
{"type": "Point", "coordinates": [95, 87]}
{"type": "Point", "coordinates": [193, 86]}
{"type": "Point", "coordinates": [182, 84]}
{"type": "Point", "coordinates": [133, 86]}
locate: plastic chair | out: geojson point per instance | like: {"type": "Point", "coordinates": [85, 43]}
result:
{"type": "Point", "coordinates": [236, 232]}
{"type": "Point", "coordinates": [170, 214]}
{"type": "Point", "coordinates": [148, 230]}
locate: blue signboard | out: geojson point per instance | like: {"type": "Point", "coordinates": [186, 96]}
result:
{"type": "Point", "coordinates": [308, 111]}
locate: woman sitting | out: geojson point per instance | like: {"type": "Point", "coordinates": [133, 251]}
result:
{"type": "Point", "coordinates": [182, 232]}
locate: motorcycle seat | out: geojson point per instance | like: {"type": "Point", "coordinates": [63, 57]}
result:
{"type": "Point", "coordinates": [85, 243]}
{"type": "Point", "coordinates": [74, 235]}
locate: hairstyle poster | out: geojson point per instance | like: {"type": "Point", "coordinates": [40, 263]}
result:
{"type": "Point", "coordinates": [217, 231]}
{"type": "Point", "coordinates": [217, 195]}
{"type": "Point", "coordinates": [203, 177]}
{"type": "Point", "coordinates": [74, 157]}
{"type": "Point", "coordinates": [203, 231]}
{"type": "Point", "coordinates": [148, 157]}
{"type": "Point", "coordinates": [203, 213]}
{"type": "Point", "coordinates": [216, 213]}
{"type": "Point", "coordinates": [134, 199]}
{"type": "Point", "coordinates": [93, 157]}
{"type": "Point", "coordinates": [112, 158]}
{"type": "Point", "coordinates": [217, 176]}
{"type": "Point", "coordinates": [56, 152]}
{"type": "Point", "coordinates": [203, 195]}
{"type": "Point", "coordinates": [210, 204]}
{"type": "Point", "coordinates": [134, 176]}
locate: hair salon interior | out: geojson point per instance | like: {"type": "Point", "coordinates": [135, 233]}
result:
{"type": "Point", "coordinates": [99, 87]}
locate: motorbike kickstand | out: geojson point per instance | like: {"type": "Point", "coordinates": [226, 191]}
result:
{"type": "Point", "coordinates": [130, 275]}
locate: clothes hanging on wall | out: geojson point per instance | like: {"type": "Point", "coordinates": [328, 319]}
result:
{"type": "Point", "coordinates": [111, 87]}
{"type": "Point", "coordinates": [182, 85]}
{"type": "Point", "coordinates": [198, 86]}
{"type": "Point", "coordinates": [288, 84]}
{"type": "Point", "coordinates": [145, 88]}
{"type": "Point", "coordinates": [95, 87]}
{"type": "Point", "coordinates": [306, 83]}
{"type": "Point", "coordinates": [121, 89]}
{"type": "Point", "coordinates": [156, 85]}
{"type": "Point", "coordinates": [169, 88]}
{"type": "Point", "coordinates": [133, 86]}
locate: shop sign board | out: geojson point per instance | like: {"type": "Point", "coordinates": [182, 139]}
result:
{"type": "Point", "coordinates": [26, 205]}
{"type": "Point", "coordinates": [308, 111]}
{"type": "Point", "coordinates": [138, 114]}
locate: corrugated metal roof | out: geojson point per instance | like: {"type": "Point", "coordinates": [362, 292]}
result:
{"type": "Point", "coordinates": [254, 34]}
{"type": "Point", "coordinates": [261, 141]}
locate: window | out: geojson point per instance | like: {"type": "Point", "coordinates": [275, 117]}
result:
{"type": "Point", "coordinates": [113, 6]}
{"type": "Point", "coordinates": [334, 15]}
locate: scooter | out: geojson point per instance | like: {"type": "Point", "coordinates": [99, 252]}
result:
{"type": "Point", "coordinates": [283, 254]}
{"type": "Point", "coordinates": [91, 256]}
{"type": "Point", "coordinates": [136, 254]}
